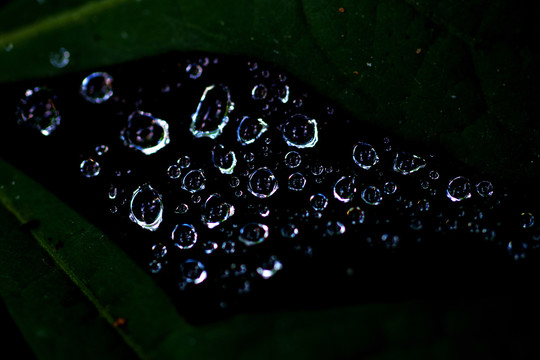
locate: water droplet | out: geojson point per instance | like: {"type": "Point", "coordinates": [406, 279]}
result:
{"type": "Point", "coordinates": [101, 150]}
{"type": "Point", "coordinates": [253, 233]}
{"type": "Point", "coordinates": [433, 175]}
{"type": "Point", "coordinates": [423, 205]}
{"type": "Point", "coordinates": [184, 162]}
{"type": "Point", "coordinates": [182, 209]}
{"type": "Point", "coordinates": [194, 181]}
{"type": "Point", "coordinates": [90, 168]}
{"type": "Point", "coordinates": [300, 131]}
{"type": "Point", "coordinates": [211, 115]}
{"type": "Point", "coordinates": [38, 111]}
{"type": "Point", "coordinates": [289, 231]}
{"type": "Point", "coordinates": [146, 207]}
{"type": "Point", "coordinates": [259, 92]}
{"type": "Point", "coordinates": [228, 247]}
{"type": "Point", "coordinates": [193, 271]}
{"type": "Point", "coordinates": [406, 163]}
{"type": "Point", "coordinates": [209, 247]}
{"type": "Point", "coordinates": [59, 59]}
{"type": "Point", "coordinates": [194, 71]}
{"type": "Point", "coordinates": [250, 129]}
{"type": "Point", "coordinates": [356, 215]}
{"type": "Point", "coordinates": [97, 87]}
{"type": "Point", "coordinates": [296, 182]}
{"type": "Point", "coordinates": [293, 159]}
{"type": "Point", "coordinates": [224, 160]}
{"type": "Point", "coordinates": [234, 182]}
{"type": "Point", "coordinates": [390, 188]}
{"type": "Point", "coordinates": [145, 133]}
{"type": "Point", "coordinates": [174, 172]}
{"type": "Point", "coordinates": [484, 188]}
{"type": "Point", "coordinates": [262, 183]}
{"type": "Point", "coordinates": [269, 268]}
{"type": "Point", "coordinates": [155, 266]}
{"type": "Point", "coordinates": [335, 228]}
{"type": "Point", "coordinates": [159, 251]}
{"type": "Point", "coordinates": [372, 195]}
{"type": "Point", "coordinates": [458, 189]}
{"type": "Point", "coordinates": [364, 155]}
{"type": "Point", "coordinates": [282, 92]}
{"type": "Point", "coordinates": [517, 249]}
{"type": "Point", "coordinates": [345, 188]}
{"type": "Point", "coordinates": [216, 211]}
{"type": "Point", "coordinates": [113, 192]}
{"type": "Point", "coordinates": [526, 220]}
{"type": "Point", "coordinates": [318, 202]}
{"type": "Point", "coordinates": [184, 236]}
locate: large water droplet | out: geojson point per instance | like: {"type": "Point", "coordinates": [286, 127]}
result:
{"type": "Point", "coordinates": [224, 160]}
{"type": "Point", "coordinates": [250, 129]}
{"type": "Point", "coordinates": [364, 155]}
{"type": "Point", "coordinates": [193, 271]}
{"type": "Point", "coordinates": [38, 111]}
{"type": "Point", "coordinates": [406, 163]}
{"type": "Point", "coordinates": [344, 189]}
{"type": "Point", "coordinates": [458, 189]}
{"type": "Point", "coordinates": [372, 195]}
{"type": "Point", "coordinates": [211, 115]}
{"type": "Point", "coordinates": [253, 233]}
{"type": "Point", "coordinates": [90, 168]}
{"type": "Point", "coordinates": [216, 211]}
{"type": "Point", "coordinates": [97, 87]}
{"type": "Point", "coordinates": [145, 133]}
{"type": "Point", "coordinates": [194, 181]}
{"type": "Point", "coordinates": [262, 183]}
{"type": "Point", "coordinates": [184, 236]}
{"type": "Point", "coordinates": [296, 182]}
{"type": "Point", "coordinates": [146, 207]}
{"type": "Point", "coordinates": [300, 131]}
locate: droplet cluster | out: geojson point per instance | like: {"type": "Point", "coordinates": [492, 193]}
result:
{"type": "Point", "coordinates": [223, 185]}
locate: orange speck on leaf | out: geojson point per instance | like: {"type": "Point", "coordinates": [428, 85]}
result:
{"type": "Point", "coordinates": [341, 10]}
{"type": "Point", "coordinates": [119, 322]}
{"type": "Point", "coordinates": [355, 72]}
{"type": "Point", "coordinates": [419, 50]}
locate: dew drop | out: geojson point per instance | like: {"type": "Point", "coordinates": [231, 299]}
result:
{"type": "Point", "coordinates": [282, 91]}
{"type": "Point", "coordinates": [262, 183]}
{"type": "Point", "coordinates": [182, 209]}
{"type": "Point", "coordinates": [269, 268]}
{"type": "Point", "coordinates": [259, 92]}
{"type": "Point", "coordinates": [365, 156]}
{"type": "Point", "coordinates": [97, 87]}
{"type": "Point", "coordinates": [37, 110]}
{"type": "Point", "coordinates": [300, 131]}
{"type": "Point", "coordinates": [224, 160]}
{"type": "Point", "coordinates": [90, 168]}
{"type": "Point", "coordinates": [318, 202]}
{"type": "Point", "coordinates": [356, 215]}
{"type": "Point", "coordinates": [458, 189]}
{"type": "Point", "coordinates": [372, 195]}
{"type": "Point", "coordinates": [101, 150]}
{"type": "Point", "coordinates": [484, 188]}
{"type": "Point", "coordinates": [216, 211]}
{"type": "Point", "coordinates": [335, 228]}
{"type": "Point", "coordinates": [211, 115]}
{"type": "Point", "coordinates": [145, 133]}
{"type": "Point", "coordinates": [174, 172]}
{"type": "Point", "coordinates": [184, 236]}
{"type": "Point", "coordinates": [59, 59]}
{"type": "Point", "coordinates": [293, 159]}
{"type": "Point", "coordinates": [389, 188]}
{"type": "Point", "coordinates": [526, 220]}
{"type": "Point", "coordinates": [193, 271]}
{"type": "Point", "coordinates": [159, 251]}
{"type": "Point", "coordinates": [344, 189]}
{"type": "Point", "coordinates": [146, 207]}
{"type": "Point", "coordinates": [289, 231]}
{"type": "Point", "coordinates": [250, 129]}
{"type": "Point", "coordinates": [209, 247]}
{"type": "Point", "coordinates": [296, 182]}
{"type": "Point", "coordinates": [194, 181]}
{"type": "Point", "coordinates": [405, 163]}
{"type": "Point", "coordinates": [194, 71]}
{"type": "Point", "coordinates": [184, 162]}
{"type": "Point", "coordinates": [253, 233]}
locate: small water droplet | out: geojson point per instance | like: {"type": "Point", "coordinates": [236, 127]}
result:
{"type": "Point", "coordinates": [216, 211]}
{"type": "Point", "coordinates": [289, 231]}
{"type": "Point", "coordinates": [293, 159]}
{"type": "Point", "coordinates": [253, 233]}
{"type": "Point", "coordinates": [389, 188]}
{"type": "Point", "coordinates": [296, 182]}
{"type": "Point", "coordinates": [174, 172]}
{"type": "Point", "coordinates": [182, 209]}
{"type": "Point", "coordinates": [101, 150]}
{"type": "Point", "coordinates": [194, 71]}
{"type": "Point", "coordinates": [250, 129]}
{"type": "Point", "coordinates": [433, 175]}
{"type": "Point", "coordinates": [184, 162]}
{"type": "Point", "coordinates": [59, 59]}
{"type": "Point", "coordinates": [365, 156]}
{"type": "Point", "coordinates": [37, 110]}
{"type": "Point", "coordinates": [406, 163]}
{"type": "Point", "coordinates": [282, 91]}
{"type": "Point", "coordinates": [356, 215]}
{"type": "Point", "coordinates": [345, 188]}
{"type": "Point", "coordinates": [211, 115]}
{"type": "Point", "coordinates": [184, 236]}
{"type": "Point", "coordinates": [194, 181]}
{"type": "Point", "coordinates": [458, 189]}
{"type": "Point", "coordinates": [300, 131]}
{"type": "Point", "coordinates": [259, 92]}
{"type": "Point", "coordinates": [318, 202]}
{"type": "Point", "coordinates": [209, 247]}
{"type": "Point", "coordinates": [262, 183]}
{"type": "Point", "coordinates": [97, 87]}
{"type": "Point", "coordinates": [269, 268]}
{"type": "Point", "coordinates": [146, 207]}
{"type": "Point", "coordinates": [193, 271]}
{"type": "Point", "coordinates": [224, 160]}
{"type": "Point", "coordinates": [90, 168]}
{"type": "Point", "coordinates": [484, 188]}
{"type": "Point", "coordinates": [335, 228]}
{"type": "Point", "coordinates": [372, 195]}
{"type": "Point", "coordinates": [526, 220]}
{"type": "Point", "coordinates": [145, 133]}
{"type": "Point", "coordinates": [159, 251]}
